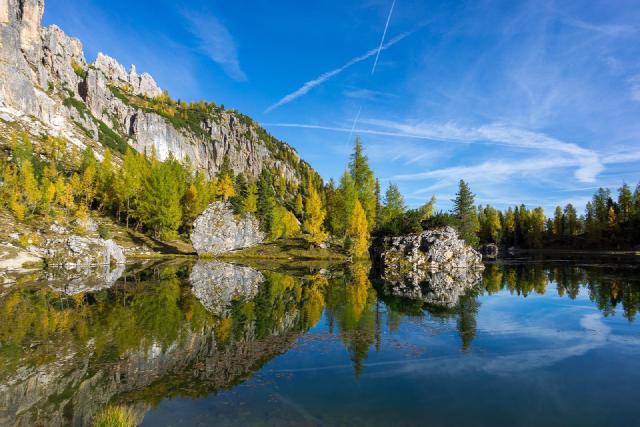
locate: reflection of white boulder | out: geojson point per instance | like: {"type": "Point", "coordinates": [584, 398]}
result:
{"type": "Point", "coordinates": [78, 280]}
{"type": "Point", "coordinates": [440, 288]}
{"type": "Point", "coordinates": [218, 284]}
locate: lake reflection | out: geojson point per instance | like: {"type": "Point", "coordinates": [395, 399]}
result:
{"type": "Point", "coordinates": [182, 344]}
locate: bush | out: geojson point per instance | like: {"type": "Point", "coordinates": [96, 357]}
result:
{"type": "Point", "coordinates": [440, 219]}
{"type": "Point", "coordinates": [114, 416]}
{"type": "Point", "coordinates": [104, 232]}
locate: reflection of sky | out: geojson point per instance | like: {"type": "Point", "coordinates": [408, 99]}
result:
{"type": "Point", "coordinates": [539, 360]}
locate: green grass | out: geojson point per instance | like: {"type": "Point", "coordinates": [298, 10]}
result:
{"type": "Point", "coordinates": [287, 249]}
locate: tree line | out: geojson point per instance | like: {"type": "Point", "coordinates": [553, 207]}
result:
{"type": "Point", "coordinates": [53, 181]}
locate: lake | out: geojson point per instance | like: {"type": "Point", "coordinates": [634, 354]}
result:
{"type": "Point", "coordinates": [535, 343]}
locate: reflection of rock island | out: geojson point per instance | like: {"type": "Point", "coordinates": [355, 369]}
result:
{"type": "Point", "coordinates": [137, 344]}
{"type": "Point", "coordinates": [438, 288]}
{"type": "Point", "coordinates": [218, 284]}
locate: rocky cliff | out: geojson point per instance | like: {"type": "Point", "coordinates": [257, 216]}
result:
{"type": "Point", "coordinates": [47, 87]}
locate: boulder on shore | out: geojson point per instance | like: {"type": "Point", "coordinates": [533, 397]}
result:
{"type": "Point", "coordinates": [413, 257]}
{"type": "Point", "coordinates": [76, 251]}
{"type": "Point", "coordinates": [218, 230]}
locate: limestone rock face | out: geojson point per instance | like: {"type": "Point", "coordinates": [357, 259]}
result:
{"type": "Point", "coordinates": [218, 284]}
{"type": "Point", "coordinates": [44, 77]}
{"type": "Point", "coordinates": [218, 230]}
{"type": "Point", "coordinates": [81, 252]}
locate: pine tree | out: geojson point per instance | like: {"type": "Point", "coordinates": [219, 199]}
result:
{"type": "Point", "coordinates": [160, 206]}
{"type": "Point", "coordinates": [509, 226]}
{"type": "Point", "coordinates": [358, 232]}
{"type": "Point", "coordinates": [393, 210]}
{"type": "Point", "coordinates": [266, 200]}
{"type": "Point", "coordinates": [625, 203]}
{"type": "Point", "coordinates": [364, 181]}
{"type": "Point", "coordinates": [558, 221]}
{"type": "Point", "coordinates": [105, 180]}
{"type": "Point", "coordinates": [314, 218]}
{"type": "Point", "coordinates": [571, 221]}
{"type": "Point", "coordinates": [345, 200]}
{"type": "Point", "coordinates": [465, 213]}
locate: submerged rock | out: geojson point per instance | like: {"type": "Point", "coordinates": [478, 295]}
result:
{"type": "Point", "coordinates": [490, 251]}
{"type": "Point", "coordinates": [76, 251]}
{"type": "Point", "coordinates": [218, 284]}
{"type": "Point", "coordinates": [218, 230]}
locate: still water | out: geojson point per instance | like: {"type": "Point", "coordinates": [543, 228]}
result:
{"type": "Point", "coordinates": [183, 344]}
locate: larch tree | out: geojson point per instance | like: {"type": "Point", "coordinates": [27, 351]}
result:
{"type": "Point", "coordinates": [226, 188]}
{"type": "Point", "coordinates": [358, 232]}
{"type": "Point", "coordinates": [314, 218]}
{"type": "Point", "coordinates": [364, 181]}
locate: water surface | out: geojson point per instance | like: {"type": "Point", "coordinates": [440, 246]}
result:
{"type": "Point", "coordinates": [539, 343]}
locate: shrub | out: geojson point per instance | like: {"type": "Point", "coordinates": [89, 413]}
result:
{"type": "Point", "coordinates": [104, 232]}
{"type": "Point", "coordinates": [114, 416]}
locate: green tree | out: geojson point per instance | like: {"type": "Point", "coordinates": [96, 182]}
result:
{"type": "Point", "coordinates": [160, 207]}
{"type": "Point", "coordinates": [364, 182]}
{"type": "Point", "coordinates": [465, 213]}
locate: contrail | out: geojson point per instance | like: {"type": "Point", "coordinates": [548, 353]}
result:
{"type": "Point", "coordinates": [384, 34]}
{"type": "Point", "coordinates": [305, 88]}
{"type": "Point", "coordinates": [355, 122]}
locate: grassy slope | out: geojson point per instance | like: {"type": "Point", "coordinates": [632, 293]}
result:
{"type": "Point", "coordinates": [287, 249]}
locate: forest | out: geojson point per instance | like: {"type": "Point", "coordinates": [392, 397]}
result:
{"type": "Point", "coordinates": [50, 181]}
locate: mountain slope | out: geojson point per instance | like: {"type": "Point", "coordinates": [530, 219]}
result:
{"type": "Point", "coordinates": [48, 88]}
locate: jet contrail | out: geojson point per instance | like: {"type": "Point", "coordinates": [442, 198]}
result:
{"type": "Point", "coordinates": [355, 122]}
{"type": "Point", "coordinates": [305, 88]}
{"type": "Point", "coordinates": [384, 34]}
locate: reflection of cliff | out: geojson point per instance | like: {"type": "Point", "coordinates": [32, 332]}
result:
{"type": "Point", "coordinates": [68, 356]}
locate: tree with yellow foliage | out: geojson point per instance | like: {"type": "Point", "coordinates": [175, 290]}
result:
{"type": "Point", "coordinates": [314, 218]}
{"type": "Point", "coordinates": [284, 224]}
{"type": "Point", "coordinates": [226, 188]}
{"type": "Point", "coordinates": [251, 202]}
{"type": "Point", "coordinates": [358, 232]}
{"type": "Point", "coordinates": [29, 186]}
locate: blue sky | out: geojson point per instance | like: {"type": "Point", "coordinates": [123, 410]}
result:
{"type": "Point", "coordinates": [535, 102]}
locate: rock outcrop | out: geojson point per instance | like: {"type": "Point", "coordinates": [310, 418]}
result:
{"type": "Point", "coordinates": [435, 266]}
{"type": "Point", "coordinates": [414, 256]}
{"type": "Point", "coordinates": [80, 252]}
{"type": "Point", "coordinates": [218, 284]}
{"type": "Point", "coordinates": [48, 87]}
{"type": "Point", "coordinates": [218, 230]}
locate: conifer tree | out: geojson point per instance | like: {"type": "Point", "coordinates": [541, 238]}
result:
{"type": "Point", "coordinates": [358, 232]}
{"type": "Point", "coordinates": [227, 189]}
{"type": "Point", "coordinates": [251, 202]}
{"type": "Point", "coordinates": [558, 222]}
{"type": "Point", "coordinates": [465, 213]}
{"type": "Point", "coordinates": [266, 200]}
{"type": "Point", "coordinates": [364, 181]}
{"type": "Point", "coordinates": [314, 218]}
{"type": "Point", "coordinates": [625, 203]}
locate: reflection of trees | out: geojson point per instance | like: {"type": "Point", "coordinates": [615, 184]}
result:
{"type": "Point", "coordinates": [352, 308]}
{"type": "Point", "coordinates": [607, 286]}
{"type": "Point", "coordinates": [141, 342]}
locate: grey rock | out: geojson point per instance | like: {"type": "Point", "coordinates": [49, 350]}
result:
{"type": "Point", "coordinates": [81, 252]}
{"type": "Point", "coordinates": [438, 288]}
{"type": "Point", "coordinates": [37, 74]}
{"type": "Point", "coordinates": [413, 257]}
{"type": "Point", "coordinates": [490, 251]}
{"type": "Point", "coordinates": [218, 230]}
{"type": "Point", "coordinates": [218, 284]}
{"type": "Point", "coordinates": [81, 279]}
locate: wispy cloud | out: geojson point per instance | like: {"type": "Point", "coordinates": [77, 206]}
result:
{"type": "Point", "coordinates": [366, 94]}
{"type": "Point", "coordinates": [305, 88]}
{"type": "Point", "coordinates": [384, 35]}
{"type": "Point", "coordinates": [611, 30]}
{"type": "Point", "coordinates": [634, 83]}
{"type": "Point", "coordinates": [587, 161]}
{"type": "Point", "coordinates": [216, 42]}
